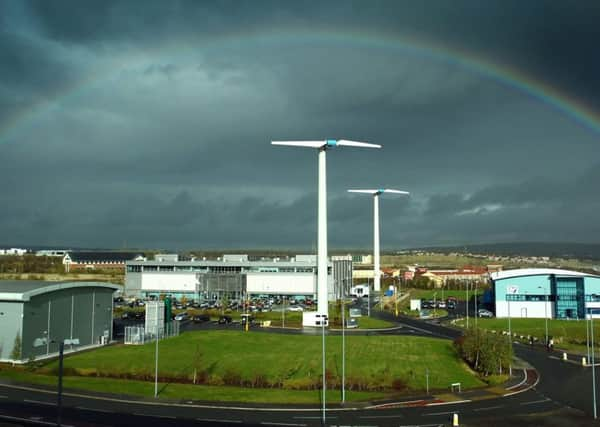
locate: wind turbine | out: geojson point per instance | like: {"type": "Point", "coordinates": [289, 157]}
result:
{"type": "Point", "coordinates": [376, 193]}
{"type": "Point", "coordinates": [323, 146]}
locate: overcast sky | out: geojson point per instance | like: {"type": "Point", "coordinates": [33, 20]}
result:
{"type": "Point", "coordinates": [148, 124]}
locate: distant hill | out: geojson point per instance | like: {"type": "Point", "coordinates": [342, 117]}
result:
{"type": "Point", "coordinates": [589, 251]}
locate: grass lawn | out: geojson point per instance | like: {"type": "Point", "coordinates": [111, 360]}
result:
{"type": "Point", "coordinates": [568, 334]}
{"type": "Point", "coordinates": [293, 362]}
{"type": "Point", "coordinates": [189, 391]}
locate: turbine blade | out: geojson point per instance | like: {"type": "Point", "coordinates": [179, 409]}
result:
{"type": "Point", "coordinates": [312, 144]}
{"type": "Point", "coordinates": [346, 143]}
{"type": "Point", "coordinates": [363, 191]}
{"type": "Point", "coordinates": [389, 190]}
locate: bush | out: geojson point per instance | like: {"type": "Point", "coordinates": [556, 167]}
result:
{"type": "Point", "coordinates": [485, 353]}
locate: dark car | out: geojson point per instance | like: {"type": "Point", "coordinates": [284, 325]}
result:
{"type": "Point", "coordinates": [201, 318]}
{"type": "Point", "coordinates": [127, 315]}
{"type": "Point", "coordinates": [225, 319]}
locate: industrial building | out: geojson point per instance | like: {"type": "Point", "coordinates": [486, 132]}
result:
{"type": "Point", "coordinates": [234, 276]}
{"type": "Point", "coordinates": [37, 315]}
{"type": "Point", "coordinates": [545, 293]}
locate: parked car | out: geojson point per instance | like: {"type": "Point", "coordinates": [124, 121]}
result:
{"type": "Point", "coordinates": [295, 308]}
{"type": "Point", "coordinates": [441, 304]}
{"type": "Point", "coordinates": [225, 319]}
{"type": "Point", "coordinates": [182, 316]}
{"type": "Point", "coordinates": [482, 312]}
{"type": "Point", "coordinates": [451, 305]}
{"type": "Point", "coordinates": [139, 315]}
{"type": "Point", "coordinates": [128, 315]}
{"type": "Point", "coordinates": [351, 323]}
{"type": "Point", "coordinates": [201, 318]}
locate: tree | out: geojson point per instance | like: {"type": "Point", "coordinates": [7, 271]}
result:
{"type": "Point", "coordinates": [16, 351]}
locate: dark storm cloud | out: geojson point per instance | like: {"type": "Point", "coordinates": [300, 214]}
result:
{"type": "Point", "coordinates": [166, 141]}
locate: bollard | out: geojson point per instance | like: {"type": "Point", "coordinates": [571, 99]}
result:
{"type": "Point", "coordinates": [564, 356]}
{"type": "Point", "coordinates": [455, 420]}
{"type": "Point", "coordinates": [583, 361]}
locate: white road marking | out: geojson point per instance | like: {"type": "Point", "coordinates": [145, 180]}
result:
{"type": "Point", "coordinates": [94, 409]}
{"type": "Point", "coordinates": [534, 402]}
{"type": "Point", "coordinates": [267, 423]}
{"type": "Point", "coordinates": [438, 413]}
{"type": "Point", "coordinates": [212, 420]}
{"type": "Point", "coordinates": [39, 402]}
{"type": "Point", "coordinates": [313, 418]}
{"type": "Point", "coordinates": [489, 408]}
{"type": "Point", "coordinates": [38, 421]}
{"type": "Point", "coordinates": [383, 416]}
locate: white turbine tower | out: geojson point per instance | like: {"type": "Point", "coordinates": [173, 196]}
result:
{"type": "Point", "coordinates": [323, 146]}
{"type": "Point", "coordinates": [376, 264]}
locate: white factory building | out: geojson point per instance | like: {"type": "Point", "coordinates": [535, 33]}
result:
{"type": "Point", "coordinates": [234, 276]}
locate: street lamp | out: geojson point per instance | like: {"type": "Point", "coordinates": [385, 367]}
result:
{"type": "Point", "coordinates": [545, 311]}
{"type": "Point", "coordinates": [61, 350]}
{"type": "Point", "coordinates": [323, 321]}
{"type": "Point", "coordinates": [467, 303]}
{"type": "Point", "coordinates": [343, 343]}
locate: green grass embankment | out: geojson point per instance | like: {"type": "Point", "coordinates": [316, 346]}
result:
{"type": "Point", "coordinates": [279, 362]}
{"type": "Point", "coordinates": [568, 334]}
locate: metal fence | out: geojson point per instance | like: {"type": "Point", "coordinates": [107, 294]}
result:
{"type": "Point", "coordinates": [137, 335]}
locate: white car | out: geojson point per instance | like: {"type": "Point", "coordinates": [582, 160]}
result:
{"type": "Point", "coordinates": [182, 316]}
{"type": "Point", "coordinates": [295, 308]}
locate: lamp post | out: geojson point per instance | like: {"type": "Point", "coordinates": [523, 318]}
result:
{"type": "Point", "coordinates": [156, 355]}
{"type": "Point", "coordinates": [509, 333]}
{"type": "Point", "coordinates": [467, 303]}
{"type": "Point", "coordinates": [475, 298]}
{"type": "Point", "coordinates": [323, 320]}
{"type": "Point", "coordinates": [593, 364]}
{"type": "Point", "coordinates": [343, 345]}
{"type": "Point", "coordinates": [546, 312]}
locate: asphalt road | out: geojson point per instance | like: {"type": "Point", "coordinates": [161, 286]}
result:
{"type": "Point", "coordinates": [561, 384]}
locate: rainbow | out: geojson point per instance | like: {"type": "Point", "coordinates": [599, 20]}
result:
{"type": "Point", "coordinates": [499, 73]}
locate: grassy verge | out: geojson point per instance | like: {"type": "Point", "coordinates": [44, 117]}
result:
{"type": "Point", "coordinates": [189, 391]}
{"type": "Point", "coordinates": [568, 334]}
{"type": "Point", "coordinates": [280, 362]}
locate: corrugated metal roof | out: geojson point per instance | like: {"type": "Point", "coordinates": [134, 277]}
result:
{"type": "Point", "coordinates": [23, 290]}
{"type": "Point", "coordinates": [506, 274]}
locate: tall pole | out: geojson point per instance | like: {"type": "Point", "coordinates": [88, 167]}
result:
{"type": "Point", "coordinates": [587, 332]}
{"type": "Point", "coordinates": [322, 306]}
{"type": "Point", "coordinates": [156, 356]}
{"type": "Point", "coordinates": [343, 348]}
{"type": "Point", "coordinates": [323, 320]}
{"type": "Point", "coordinates": [61, 350]}
{"type": "Point", "coordinates": [476, 312]}
{"type": "Point", "coordinates": [376, 262]}
{"type": "Point", "coordinates": [546, 315]}
{"type": "Point", "coordinates": [467, 304]}
{"type": "Point", "coordinates": [593, 364]}
{"type": "Point", "coordinates": [509, 334]}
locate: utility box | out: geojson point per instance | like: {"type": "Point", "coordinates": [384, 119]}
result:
{"type": "Point", "coordinates": [415, 304]}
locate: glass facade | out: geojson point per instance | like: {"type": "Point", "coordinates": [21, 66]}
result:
{"type": "Point", "coordinates": [569, 297]}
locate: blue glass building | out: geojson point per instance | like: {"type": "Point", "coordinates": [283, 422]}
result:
{"type": "Point", "coordinates": [545, 292]}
